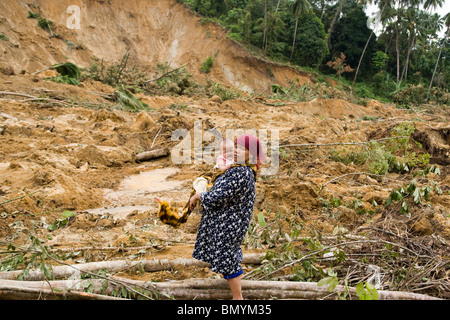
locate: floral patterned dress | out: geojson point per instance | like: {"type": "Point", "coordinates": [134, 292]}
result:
{"type": "Point", "coordinates": [227, 210]}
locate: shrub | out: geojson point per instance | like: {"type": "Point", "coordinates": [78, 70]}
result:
{"type": "Point", "coordinates": [411, 95]}
{"type": "Point", "coordinates": [440, 96]}
{"type": "Point", "coordinates": [339, 65]}
{"type": "Point", "coordinates": [207, 65]}
{"type": "Point", "coordinates": [45, 24]}
{"type": "Point", "coordinates": [33, 15]}
{"type": "Point", "coordinates": [394, 156]}
{"type": "Point", "coordinates": [69, 73]}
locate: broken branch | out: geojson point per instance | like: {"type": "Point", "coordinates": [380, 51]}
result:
{"type": "Point", "coordinates": [61, 272]}
{"type": "Point", "coordinates": [153, 154]}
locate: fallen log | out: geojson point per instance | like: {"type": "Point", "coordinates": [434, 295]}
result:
{"type": "Point", "coordinates": [203, 289]}
{"type": "Point", "coordinates": [153, 154]}
{"type": "Point", "coordinates": [66, 271]}
{"type": "Point", "coordinates": [21, 293]}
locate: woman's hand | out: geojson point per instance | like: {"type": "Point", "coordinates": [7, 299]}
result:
{"type": "Point", "coordinates": [193, 201]}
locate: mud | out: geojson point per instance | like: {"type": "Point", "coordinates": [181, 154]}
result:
{"type": "Point", "coordinates": [81, 158]}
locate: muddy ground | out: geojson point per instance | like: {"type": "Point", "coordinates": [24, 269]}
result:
{"type": "Point", "coordinates": [68, 169]}
{"type": "Point", "coordinates": [57, 158]}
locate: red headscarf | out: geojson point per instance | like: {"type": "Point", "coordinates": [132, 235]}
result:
{"type": "Point", "coordinates": [252, 144]}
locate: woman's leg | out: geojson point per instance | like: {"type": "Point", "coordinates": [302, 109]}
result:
{"type": "Point", "coordinates": [235, 287]}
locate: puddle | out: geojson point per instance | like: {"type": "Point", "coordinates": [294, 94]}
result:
{"type": "Point", "coordinates": [137, 192]}
{"type": "Point", "coordinates": [151, 181]}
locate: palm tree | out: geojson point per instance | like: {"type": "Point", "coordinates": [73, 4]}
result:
{"type": "Point", "coordinates": [365, 47]}
{"type": "Point", "coordinates": [421, 26]}
{"type": "Point", "coordinates": [333, 22]}
{"type": "Point", "coordinates": [298, 8]}
{"type": "Point", "coordinates": [446, 19]}
{"type": "Point", "coordinates": [383, 4]}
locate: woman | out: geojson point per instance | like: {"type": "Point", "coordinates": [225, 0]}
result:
{"type": "Point", "coordinates": [227, 210]}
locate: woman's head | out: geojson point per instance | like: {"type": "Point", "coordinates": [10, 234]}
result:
{"type": "Point", "coordinates": [248, 148]}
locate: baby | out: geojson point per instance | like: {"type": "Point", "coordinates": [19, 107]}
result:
{"type": "Point", "coordinates": [224, 162]}
{"type": "Point", "coordinates": [226, 158]}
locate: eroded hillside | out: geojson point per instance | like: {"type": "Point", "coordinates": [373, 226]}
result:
{"type": "Point", "coordinates": [66, 148]}
{"type": "Point", "coordinates": [151, 31]}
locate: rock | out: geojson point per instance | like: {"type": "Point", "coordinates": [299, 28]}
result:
{"type": "Point", "coordinates": [143, 122]}
{"type": "Point", "coordinates": [216, 99]}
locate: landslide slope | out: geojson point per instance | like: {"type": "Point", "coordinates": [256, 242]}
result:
{"type": "Point", "coordinates": [72, 150]}
{"type": "Point", "coordinates": [160, 31]}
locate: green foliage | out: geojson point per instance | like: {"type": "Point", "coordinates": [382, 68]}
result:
{"type": "Point", "coordinates": [331, 203]}
{"type": "Point", "coordinates": [262, 233]}
{"type": "Point", "coordinates": [350, 36]}
{"type": "Point", "coordinates": [127, 100]}
{"type": "Point", "coordinates": [266, 28]}
{"type": "Point", "coordinates": [394, 155]}
{"type": "Point", "coordinates": [69, 73]}
{"type": "Point", "coordinates": [27, 258]}
{"type": "Point", "coordinates": [64, 79]}
{"type": "Point", "coordinates": [366, 291]}
{"type": "Point", "coordinates": [412, 191]}
{"type": "Point", "coordinates": [66, 217]}
{"type": "Point", "coordinates": [33, 15]}
{"type": "Point", "coordinates": [68, 69]}
{"type": "Point", "coordinates": [45, 24]}
{"type": "Point", "coordinates": [214, 88]}
{"type": "Point", "coordinates": [239, 24]}
{"type": "Point", "coordinates": [261, 220]}
{"type": "Point", "coordinates": [383, 84]}
{"type": "Point", "coordinates": [411, 95]}
{"type": "Point", "coordinates": [207, 65]}
{"type": "Point", "coordinates": [3, 37]}
{"type": "Point", "coordinates": [311, 45]}
{"type": "Point", "coordinates": [380, 60]}
{"type": "Point", "coordinates": [331, 280]}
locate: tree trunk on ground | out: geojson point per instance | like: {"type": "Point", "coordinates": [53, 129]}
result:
{"type": "Point", "coordinates": [153, 154]}
{"type": "Point", "coordinates": [62, 272]}
{"type": "Point", "coordinates": [203, 289]}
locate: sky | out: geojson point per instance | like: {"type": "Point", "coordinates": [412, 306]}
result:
{"type": "Point", "coordinates": [442, 12]}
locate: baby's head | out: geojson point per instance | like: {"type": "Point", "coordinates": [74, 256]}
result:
{"type": "Point", "coordinates": [227, 149]}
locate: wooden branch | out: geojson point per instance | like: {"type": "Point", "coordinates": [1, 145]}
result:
{"type": "Point", "coordinates": [62, 272]}
{"type": "Point", "coordinates": [349, 243]}
{"type": "Point", "coordinates": [118, 248]}
{"type": "Point", "coordinates": [17, 94]}
{"type": "Point", "coordinates": [344, 175]}
{"type": "Point", "coordinates": [153, 154]}
{"type": "Point", "coordinates": [39, 71]}
{"type": "Point", "coordinates": [154, 139]}
{"type": "Point", "coordinates": [12, 292]}
{"type": "Point", "coordinates": [205, 289]}
{"type": "Point", "coordinates": [31, 98]}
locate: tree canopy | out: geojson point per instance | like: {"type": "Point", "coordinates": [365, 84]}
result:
{"type": "Point", "coordinates": [409, 49]}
